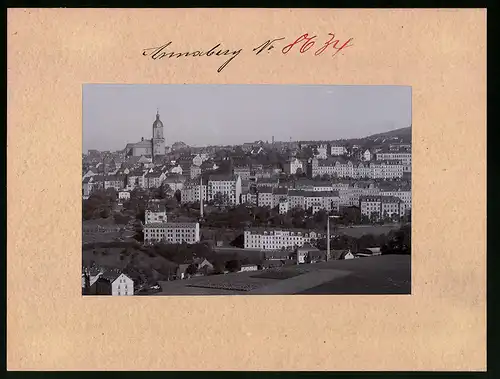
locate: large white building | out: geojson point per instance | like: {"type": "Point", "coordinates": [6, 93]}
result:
{"type": "Point", "coordinates": [172, 233]}
{"type": "Point", "coordinates": [341, 168]}
{"type": "Point", "coordinates": [292, 165]}
{"type": "Point", "coordinates": [271, 239]}
{"type": "Point", "coordinates": [228, 186]}
{"type": "Point", "coordinates": [322, 151]}
{"type": "Point", "coordinates": [381, 206]}
{"type": "Point", "coordinates": [403, 156]}
{"type": "Point", "coordinates": [337, 150]}
{"type": "Point", "coordinates": [401, 193]}
{"type": "Point", "coordinates": [190, 193]}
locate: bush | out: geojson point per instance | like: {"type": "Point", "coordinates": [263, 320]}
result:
{"type": "Point", "coordinates": [233, 265]}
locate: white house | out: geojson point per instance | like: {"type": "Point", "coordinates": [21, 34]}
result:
{"type": "Point", "coordinates": [292, 165]}
{"type": "Point", "coordinates": [367, 155]}
{"type": "Point", "coordinates": [249, 267]}
{"type": "Point", "coordinates": [322, 152]}
{"type": "Point", "coordinates": [337, 150]}
{"type": "Point", "coordinates": [124, 195]}
{"type": "Point", "coordinates": [283, 207]}
{"type": "Point", "coordinates": [275, 239]}
{"type": "Point", "coordinates": [114, 283]}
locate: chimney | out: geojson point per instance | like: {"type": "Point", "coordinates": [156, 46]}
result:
{"type": "Point", "coordinates": [201, 196]}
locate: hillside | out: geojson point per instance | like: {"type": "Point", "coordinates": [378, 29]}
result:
{"type": "Point", "coordinates": [404, 133]}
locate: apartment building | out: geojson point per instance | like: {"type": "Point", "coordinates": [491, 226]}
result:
{"type": "Point", "coordinates": [172, 233]}
{"type": "Point", "coordinates": [227, 185]}
{"type": "Point", "coordinates": [136, 179]}
{"type": "Point", "coordinates": [242, 171]}
{"type": "Point", "coordinates": [274, 239]}
{"type": "Point", "coordinates": [337, 150]}
{"type": "Point", "coordinates": [381, 206]}
{"type": "Point", "coordinates": [190, 192]}
{"type": "Point", "coordinates": [117, 182]}
{"type": "Point", "coordinates": [154, 179]}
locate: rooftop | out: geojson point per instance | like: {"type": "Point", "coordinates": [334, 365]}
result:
{"type": "Point", "coordinates": [171, 225]}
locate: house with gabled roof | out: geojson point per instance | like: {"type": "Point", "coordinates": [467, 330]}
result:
{"type": "Point", "coordinates": [113, 282]}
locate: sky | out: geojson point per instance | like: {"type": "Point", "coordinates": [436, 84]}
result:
{"type": "Point", "coordinates": [200, 115]}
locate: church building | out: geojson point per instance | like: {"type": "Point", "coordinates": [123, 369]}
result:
{"type": "Point", "coordinates": [154, 147]}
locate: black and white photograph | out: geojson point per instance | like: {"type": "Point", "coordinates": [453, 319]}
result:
{"type": "Point", "coordinates": [192, 190]}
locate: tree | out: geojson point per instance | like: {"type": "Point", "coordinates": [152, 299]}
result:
{"type": "Point", "coordinates": [351, 215]}
{"type": "Point", "coordinates": [233, 265]}
{"type": "Point", "coordinates": [121, 219]}
{"type": "Point", "coordinates": [399, 241]}
{"type": "Point", "coordinates": [105, 213]}
{"type": "Point", "coordinates": [192, 269]}
{"type": "Point", "coordinates": [220, 199]}
{"type": "Point", "coordinates": [326, 177]}
{"type": "Point", "coordinates": [177, 195]}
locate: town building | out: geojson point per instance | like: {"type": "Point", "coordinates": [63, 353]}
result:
{"type": "Point", "coordinates": [136, 179]}
{"type": "Point", "coordinates": [226, 187]}
{"type": "Point", "coordinates": [378, 207]}
{"type": "Point", "coordinates": [322, 151]}
{"type": "Point", "coordinates": [114, 283]}
{"type": "Point", "coordinates": [154, 179]}
{"type": "Point", "coordinates": [242, 171]}
{"type": "Point", "coordinates": [265, 197]}
{"type": "Point", "coordinates": [190, 193]}
{"type": "Point", "coordinates": [117, 182]}
{"type": "Point", "coordinates": [283, 206]}
{"type": "Point", "coordinates": [156, 215]}
{"type": "Point", "coordinates": [195, 171]}
{"type": "Point", "coordinates": [154, 147]}
{"type": "Point", "coordinates": [274, 239]}
{"type": "Point", "coordinates": [337, 150]}
{"type": "Point", "coordinates": [175, 182]}
{"type": "Point", "coordinates": [249, 267]}
{"type": "Point", "coordinates": [172, 233]}
{"type": "Point", "coordinates": [367, 155]}
{"type": "Point", "coordinates": [124, 195]}
{"type": "Point", "coordinates": [292, 165]}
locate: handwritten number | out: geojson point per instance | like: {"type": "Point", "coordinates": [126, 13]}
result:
{"type": "Point", "coordinates": [321, 50]}
{"type": "Point", "coordinates": [307, 46]}
{"type": "Point", "coordinates": [308, 43]}
{"type": "Point", "coordinates": [289, 47]}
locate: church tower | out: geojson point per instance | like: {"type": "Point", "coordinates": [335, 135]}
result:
{"type": "Point", "coordinates": [158, 140]}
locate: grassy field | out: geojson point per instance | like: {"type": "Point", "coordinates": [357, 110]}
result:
{"type": "Point", "coordinates": [120, 257]}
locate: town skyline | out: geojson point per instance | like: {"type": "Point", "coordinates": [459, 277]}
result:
{"type": "Point", "coordinates": [115, 115]}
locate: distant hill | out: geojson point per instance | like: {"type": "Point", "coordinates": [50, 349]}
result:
{"type": "Point", "coordinates": [403, 133]}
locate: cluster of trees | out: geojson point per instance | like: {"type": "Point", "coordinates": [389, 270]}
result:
{"type": "Point", "coordinates": [181, 253]}
{"type": "Point", "coordinates": [395, 242]}
{"type": "Point", "coordinates": [398, 242]}
{"type": "Point", "coordinates": [243, 216]}
{"type": "Point", "coordinates": [99, 204]}
{"type": "Point", "coordinates": [184, 253]}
